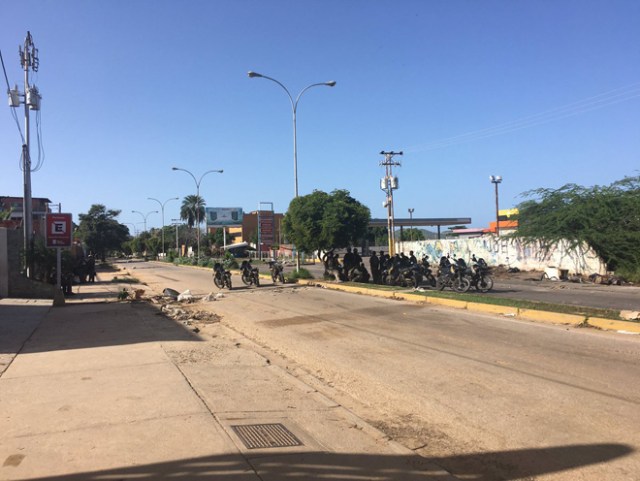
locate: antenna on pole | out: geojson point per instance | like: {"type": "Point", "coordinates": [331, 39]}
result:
{"type": "Point", "coordinates": [388, 184]}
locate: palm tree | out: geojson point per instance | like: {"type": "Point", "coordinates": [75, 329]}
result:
{"type": "Point", "coordinates": [192, 209]}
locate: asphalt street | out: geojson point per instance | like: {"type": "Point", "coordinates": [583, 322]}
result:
{"type": "Point", "coordinates": [490, 397]}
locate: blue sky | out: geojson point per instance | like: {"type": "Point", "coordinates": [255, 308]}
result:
{"type": "Point", "coordinates": [542, 93]}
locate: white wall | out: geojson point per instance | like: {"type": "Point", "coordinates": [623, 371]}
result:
{"type": "Point", "coordinates": [510, 253]}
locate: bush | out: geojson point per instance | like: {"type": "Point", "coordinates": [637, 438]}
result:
{"type": "Point", "coordinates": [629, 275]}
{"type": "Point", "coordinates": [301, 274]}
{"type": "Point", "coordinates": [206, 262]}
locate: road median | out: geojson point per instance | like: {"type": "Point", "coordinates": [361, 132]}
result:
{"type": "Point", "coordinates": [513, 311]}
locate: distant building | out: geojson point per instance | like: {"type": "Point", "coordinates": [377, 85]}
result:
{"type": "Point", "coordinates": [243, 226]}
{"type": "Point", "coordinates": [508, 223]}
{"type": "Point", "coordinates": [12, 209]}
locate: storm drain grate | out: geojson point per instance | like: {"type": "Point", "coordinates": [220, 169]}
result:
{"type": "Point", "coordinates": [266, 436]}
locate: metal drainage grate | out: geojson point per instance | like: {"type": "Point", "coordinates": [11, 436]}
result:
{"type": "Point", "coordinates": [266, 436]}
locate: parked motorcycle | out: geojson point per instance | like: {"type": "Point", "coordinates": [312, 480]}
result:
{"type": "Point", "coordinates": [480, 278]}
{"type": "Point", "coordinates": [221, 276]}
{"type": "Point", "coordinates": [359, 274]}
{"type": "Point", "coordinates": [277, 272]}
{"type": "Point", "coordinates": [453, 275]}
{"type": "Point", "coordinates": [249, 274]}
{"type": "Point", "coordinates": [409, 276]}
{"type": "Point", "coordinates": [427, 274]}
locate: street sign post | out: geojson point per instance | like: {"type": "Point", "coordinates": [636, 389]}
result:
{"type": "Point", "coordinates": [59, 230]}
{"type": "Point", "coordinates": [58, 234]}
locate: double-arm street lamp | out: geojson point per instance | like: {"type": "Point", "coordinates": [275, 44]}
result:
{"type": "Point", "coordinates": [496, 179]}
{"type": "Point", "coordinates": [145, 216]}
{"type": "Point", "coordinates": [294, 109]}
{"type": "Point", "coordinates": [198, 181]}
{"type": "Point", "coordinates": [162, 204]}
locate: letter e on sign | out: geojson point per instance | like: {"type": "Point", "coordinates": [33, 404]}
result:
{"type": "Point", "coordinates": [58, 229]}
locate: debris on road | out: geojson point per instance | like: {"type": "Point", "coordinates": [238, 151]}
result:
{"type": "Point", "coordinates": [171, 293]}
{"type": "Point", "coordinates": [186, 296]}
{"type": "Point", "coordinates": [188, 316]}
{"type": "Point", "coordinates": [630, 315]}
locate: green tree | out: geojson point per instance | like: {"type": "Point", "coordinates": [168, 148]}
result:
{"type": "Point", "coordinates": [377, 236]}
{"type": "Point", "coordinates": [100, 230]}
{"type": "Point", "coordinates": [606, 218]}
{"type": "Point", "coordinates": [411, 234]}
{"type": "Point", "coordinates": [321, 221]}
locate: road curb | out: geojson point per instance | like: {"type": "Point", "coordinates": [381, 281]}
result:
{"type": "Point", "coordinates": [525, 314]}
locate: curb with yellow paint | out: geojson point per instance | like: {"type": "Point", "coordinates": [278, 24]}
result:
{"type": "Point", "coordinates": [516, 312]}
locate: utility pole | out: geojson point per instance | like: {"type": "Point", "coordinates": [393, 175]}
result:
{"type": "Point", "coordinates": [495, 180]}
{"type": "Point", "coordinates": [29, 61]}
{"type": "Point", "coordinates": [177, 223]}
{"type": "Point", "coordinates": [388, 184]}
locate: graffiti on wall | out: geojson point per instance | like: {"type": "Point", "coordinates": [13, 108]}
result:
{"type": "Point", "coordinates": [510, 253]}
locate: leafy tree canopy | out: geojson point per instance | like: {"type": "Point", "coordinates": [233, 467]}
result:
{"type": "Point", "coordinates": [411, 234]}
{"type": "Point", "coordinates": [321, 221]}
{"type": "Point", "coordinates": [606, 218]}
{"type": "Point", "coordinates": [100, 230]}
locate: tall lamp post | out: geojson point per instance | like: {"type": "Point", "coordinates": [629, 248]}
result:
{"type": "Point", "coordinates": [294, 109]}
{"type": "Point", "coordinates": [162, 204]}
{"type": "Point", "coordinates": [198, 181]}
{"type": "Point", "coordinates": [411, 210]}
{"type": "Point", "coordinates": [135, 229]}
{"type": "Point", "coordinates": [496, 179]}
{"type": "Point", "coordinates": [145, 216]}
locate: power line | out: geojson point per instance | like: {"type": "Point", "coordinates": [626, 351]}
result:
{"type": "Point", "coordinates": [13, 112]}
{"type": "Point", "coordinates": [595, 102]}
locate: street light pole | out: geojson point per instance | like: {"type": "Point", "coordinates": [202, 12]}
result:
{"type": "Point", "coordinates": [135, 229]}
{"type": "Point", "coordinates": [411, 209]}
{"type": "Point", "coordinates": [198, 196]}
{"type": "Point", "coordinates": [162, 204]}
{"type": "Point", "coordinates": [145, 216]}
{"type": "Point", "coordinates": [496, 179]}
{"type": "Point", "coordinates": [294, 110]}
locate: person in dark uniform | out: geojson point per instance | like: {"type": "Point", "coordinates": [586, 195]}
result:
{"type": "Point", "coordinates": [374, 263]}
{"type": "Point", "coordinates": [348, 261]}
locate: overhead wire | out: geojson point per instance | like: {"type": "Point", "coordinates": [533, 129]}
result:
{"type": "Point", "coordinates": [41, 154]}
{"type": "Point", "coordinates": [595, 102]}
{"type": "Point", "coordinates": [13, 110]}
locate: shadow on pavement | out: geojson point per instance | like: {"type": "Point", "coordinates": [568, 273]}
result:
{"type": "Point", "coordinates": [78, 326]}
{"type": "Point", "coordinates": [304, 466]}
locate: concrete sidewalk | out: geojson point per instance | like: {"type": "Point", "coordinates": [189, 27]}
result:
{"type": "Point", "coordinates": [100, 389]}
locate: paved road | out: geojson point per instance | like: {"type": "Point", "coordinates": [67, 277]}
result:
{"type": "Point", "coordinates": [588, 295]}
{"type": "Point", "coordinates": [490, 398]}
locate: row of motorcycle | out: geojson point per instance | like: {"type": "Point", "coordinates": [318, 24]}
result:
{"type": "Point", "coordinates": [249, 274]}
{"type": "Point", "coordinates": [453, 273]}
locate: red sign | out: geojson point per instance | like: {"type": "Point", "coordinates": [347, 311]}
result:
{"type": "Point", "coordinates": [266, 230]}
{"type": "Point", "coordinates": [59, 227]}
